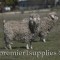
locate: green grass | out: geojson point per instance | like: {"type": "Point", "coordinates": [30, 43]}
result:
{"type": "Point", "coordinates": [52, 44]}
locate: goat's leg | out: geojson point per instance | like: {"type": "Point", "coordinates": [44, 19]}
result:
{"type": "Point", "coordinates": [31, 44]}
{"type": "Point", "coordinates": [7, 43]}
{"type": "Point", "coordinates": [42, 37]}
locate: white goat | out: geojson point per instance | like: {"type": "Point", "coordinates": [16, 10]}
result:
{"type": "Point", "coordinates": [22, 29]}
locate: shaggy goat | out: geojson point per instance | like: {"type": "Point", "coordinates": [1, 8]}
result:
{"type": "Point", "coordinates": [46, 24]}
{"type": "Point", "coordinates": [22, 30]}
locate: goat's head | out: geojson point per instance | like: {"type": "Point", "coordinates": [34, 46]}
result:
{"type": "Point", "coordinates": [35, 18]}
{"type": "Point", "coordinates": [34, 21]}
{"type": "Point", "coordinates": [53, 16]}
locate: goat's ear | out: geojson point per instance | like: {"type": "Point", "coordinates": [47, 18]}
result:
{"type": "Point", "coordinates": [52, 16]}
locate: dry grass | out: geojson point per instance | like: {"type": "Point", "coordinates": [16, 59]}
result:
{"type": "Point", "coordinates": [52, 44]}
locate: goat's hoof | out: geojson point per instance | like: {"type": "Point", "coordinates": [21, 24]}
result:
{"type": "Point", "coordinates": [27, 48]}
{"type": "Point", "coordinates": [44, 40]}
{"type": "Point", "coordinates": [31, 47]}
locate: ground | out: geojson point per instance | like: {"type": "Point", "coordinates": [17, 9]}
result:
{"type": "Point", "coordinates": [52, 45]}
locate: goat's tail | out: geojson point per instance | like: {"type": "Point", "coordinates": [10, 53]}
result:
{"type": "Point", "coordinates": [4, 21]}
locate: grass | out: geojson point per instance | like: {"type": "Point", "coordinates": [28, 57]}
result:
{"type": "Point", "coordinates": [52, 45]}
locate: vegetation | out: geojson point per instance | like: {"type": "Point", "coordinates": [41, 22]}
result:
{"type": "Point", "coordinates": [10, 2]}
{"type": "Point", "coordinates": [34, 2]}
